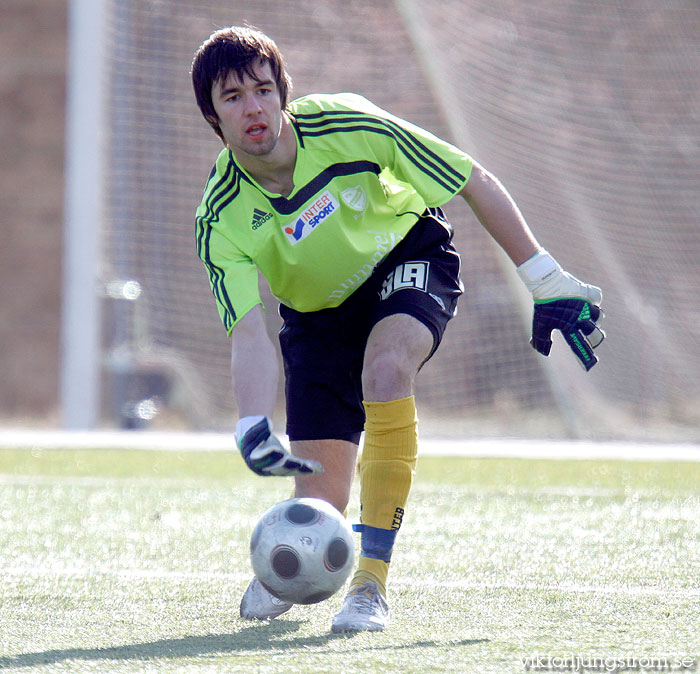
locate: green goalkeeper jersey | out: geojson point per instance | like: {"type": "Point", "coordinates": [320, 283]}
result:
{"type": "Point", "coordinates": [362, 179]}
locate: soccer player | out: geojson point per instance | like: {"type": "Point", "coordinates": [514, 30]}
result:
{"type": "Point", "coordinates": [337, 203]}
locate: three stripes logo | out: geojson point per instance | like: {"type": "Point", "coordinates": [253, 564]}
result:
{"type": "Point", "coordinates": [259, 218]}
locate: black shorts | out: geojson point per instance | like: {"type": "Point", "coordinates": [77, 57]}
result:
{"type": "Point", "coordinates": [323, 351]}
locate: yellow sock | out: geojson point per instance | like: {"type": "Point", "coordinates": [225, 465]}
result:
{"type": "Point", "coordinates": [386, 472]}
{"type": "Point", "coordinates": [374, 570]}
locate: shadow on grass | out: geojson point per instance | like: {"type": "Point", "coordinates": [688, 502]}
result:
{"type": "Point", "coordinates": [258, 637]}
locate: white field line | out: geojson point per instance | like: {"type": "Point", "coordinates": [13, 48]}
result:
{"type": "Point", "coordinates": [137, 574]}
{"type": "Point", "coordinates": [242, 577]}
{"type": "Point", "coordinates": [150, 483]}
{"type": "Point", "coordinates": [104, 482]}
{"type": "Point", "coordinates": [203, 484]}
{"type": "Point", "coordinates": [34, 439]}
{"type": "Point", "coordinates": [572, 588]}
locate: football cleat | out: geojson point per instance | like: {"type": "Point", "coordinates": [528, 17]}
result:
{"type": "Point", "coordinates": [364, 610]}
{"type": "Point", "coordinates": [258, 603]}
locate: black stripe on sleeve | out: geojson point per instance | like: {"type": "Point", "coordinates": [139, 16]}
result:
{"type": "Point", "coordinates": [416, 151]}
{"type": "Point", "coordinates": [226, 189]}
{"type": "Point", "coordinates": [216, 278]}
{"type": "Point", "coordinates": [218, 190]}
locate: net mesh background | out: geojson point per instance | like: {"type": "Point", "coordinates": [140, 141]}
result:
{"type": "Point", "coordinates": [588, 112]}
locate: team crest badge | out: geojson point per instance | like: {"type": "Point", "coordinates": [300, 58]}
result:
{"type": "Point", "coordinates": [355, 197]}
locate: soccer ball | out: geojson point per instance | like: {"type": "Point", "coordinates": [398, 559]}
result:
{"type": "Point", "coordinates": [302, 550]}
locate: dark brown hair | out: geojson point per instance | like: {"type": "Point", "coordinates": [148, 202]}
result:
{"type": "Point", "coordinates": [236, 49]}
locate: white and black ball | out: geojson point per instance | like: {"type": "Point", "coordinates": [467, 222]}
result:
{"type": "Point", "coordinates": [302, 550]}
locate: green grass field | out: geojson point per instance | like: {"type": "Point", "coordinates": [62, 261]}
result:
{"type": "Point", "coordinates": [135, 561]}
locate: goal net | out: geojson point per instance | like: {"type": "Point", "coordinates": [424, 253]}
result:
{"type": "Point", "coordinates": [588, 112]}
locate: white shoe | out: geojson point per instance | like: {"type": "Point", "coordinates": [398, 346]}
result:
{"type": "Point", "coordinates": [258, 603]}
{"type": "Point", "coordinates": [364, 610]}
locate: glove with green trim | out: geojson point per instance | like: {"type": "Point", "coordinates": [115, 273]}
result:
{"type": "Point", "coordinates": [562, 302]}
{"type": "Point", "coordinates": [264, 453]}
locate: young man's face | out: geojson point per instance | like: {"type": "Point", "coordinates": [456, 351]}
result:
{"type": "Point", "coordinates": [249, 111]}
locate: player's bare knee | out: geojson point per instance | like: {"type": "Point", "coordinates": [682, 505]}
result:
{"type": "Point", "coordinates": [387, 375]}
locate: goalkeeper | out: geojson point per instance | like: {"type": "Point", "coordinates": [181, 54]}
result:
{"type": "Point", "coordinates": [337, 203]}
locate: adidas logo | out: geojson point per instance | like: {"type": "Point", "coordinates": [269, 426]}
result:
{"type": "Point", "coordinates": [259, 218]}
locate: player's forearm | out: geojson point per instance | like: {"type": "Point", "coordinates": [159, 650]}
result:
{"type": "Point", "coordinates": [499, 215]}
{"type": "Point", "coordinates": [254, 367]}
{"type": "Point", "coordinates": [255, 373]}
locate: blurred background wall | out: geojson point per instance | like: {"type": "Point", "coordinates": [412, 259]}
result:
{"type": "Point", "coordinates": [32, 100]}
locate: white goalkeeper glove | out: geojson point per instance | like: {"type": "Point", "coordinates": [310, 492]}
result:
{"type": "Point", "coordinates": [562, 302]}
{"type": "Point", "coordinates": [263, 452]}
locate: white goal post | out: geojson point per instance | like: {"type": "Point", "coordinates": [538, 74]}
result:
{"type": "Point", "coordinates": [85, 130]}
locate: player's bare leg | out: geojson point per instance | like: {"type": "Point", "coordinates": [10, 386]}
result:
{"type": "Point", "coordinates": [339, 461]}
{"type": "Point", "coordinates": [396, 348]}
